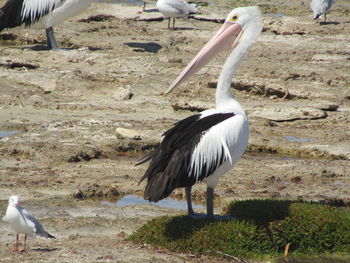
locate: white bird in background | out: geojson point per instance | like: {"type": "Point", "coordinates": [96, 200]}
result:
{"type": "Point", "coordinates": [175, 8]}
{"type": "Point", "coordinates": [40, 14]}
{"type": "Point", "coordinates": [320, 7]}
{"type": "Point", "coordinates": [206, 145]}
{"type": "Point", "coordinates": [22, 222]}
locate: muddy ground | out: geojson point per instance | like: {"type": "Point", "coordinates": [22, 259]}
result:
{"type": "Point", "coordinates": [66, 106]}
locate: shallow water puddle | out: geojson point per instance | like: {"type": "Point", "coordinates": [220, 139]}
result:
{"type": "Point", "coordinates": [341, 183]}
{"type": "Point", "coordinates": [166, 203]}
{"type": "Point", "coordinates": [295, 139]}
{"type": "Point", "coordinates": [4, 134]}
{"type": "Point", "coordinates": [276, 15]}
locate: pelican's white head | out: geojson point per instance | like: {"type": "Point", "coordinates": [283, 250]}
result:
{"type": "Point", "coordinates": [241, 24]}
{"type": "Point", "coordinates": [14, 201]}
{"type": "Point", "coordinates": [249, 18]}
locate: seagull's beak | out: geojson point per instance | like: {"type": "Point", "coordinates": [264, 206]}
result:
{"type": "Point", "coordinates": [227, 37]}
{"type": "Point", "coordinates": [16, 205]}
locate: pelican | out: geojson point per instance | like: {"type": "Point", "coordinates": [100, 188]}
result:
{"type": "Point", "coordinates": [40, 14]}
{"type": "Point", "coordinates": [320, 7]}
{"type": "Point", "coordinates": [205, 146]}
{"type": "Point", "coordinates": [175, 8]}
{"type": "Point", "coordinates": [22, 221]}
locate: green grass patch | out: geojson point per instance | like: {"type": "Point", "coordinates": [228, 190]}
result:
{"type": "Point", "coordinates": [261, 229]}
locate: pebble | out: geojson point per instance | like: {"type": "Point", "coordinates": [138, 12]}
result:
{"type": "Point", "coordinates": [128, 133]}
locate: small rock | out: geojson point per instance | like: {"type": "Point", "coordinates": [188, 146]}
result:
{"type": "Point", "coordinates": [123, 93]}
{"type": "Point", "coordinates": [123, 133]}
{"type": "Point", "coordinates": [73, 159]}
{"type": "Point", "coordinates": [324, 105]}
{"type": "Point", "coordinates": [79, 194]}
{"type": "Point", "coordinates": [347, 95]}
{"type": "Point", "coordinates": [177, 194]}
{"type": "Point", "coordinates": [296, 179]}
{"type": "Point", "coordinates": [36, 100]}
{"type": "Point", "coordinates": [96, 190]}
{"type": "Point", "coordinates": [175, 60]}
{"type": "Point", "coordinates": [274, 194]}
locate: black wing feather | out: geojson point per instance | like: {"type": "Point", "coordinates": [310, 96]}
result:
{"type": "Point", "coordinates": [169, 167]}
{"type": "Point", "coordinates": [11, 14]}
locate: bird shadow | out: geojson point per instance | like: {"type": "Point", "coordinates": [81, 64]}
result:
{"type": "Point", "coordinates": [185, 28]}
{"type": "Point", "coordinates": [44, 249]}
{"type": "Point", "coordinates": [329, 23]}
{"type": "Point", "coordinates": [144, 47]}
{"type": "Point", "coordinates": [261, 212]}
{"type": "Point", "coordinates": [45, 48]}
{"type": "Point", "coordinates": [151, 10]}
{"type": "Point", "coordinates": [179, 227]}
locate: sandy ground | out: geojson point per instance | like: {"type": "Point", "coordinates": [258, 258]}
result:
{"type": "Point", "coordinates": [66, 106]}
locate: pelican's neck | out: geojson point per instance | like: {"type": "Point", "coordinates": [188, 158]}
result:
{"type": "Point", "coordinates": [223, 94]}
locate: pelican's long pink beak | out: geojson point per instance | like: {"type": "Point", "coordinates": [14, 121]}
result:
{"type": "Point", "coordinates": [227, 37]}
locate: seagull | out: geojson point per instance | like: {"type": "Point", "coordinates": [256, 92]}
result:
{"type": "Point", "coordinates": [320, 7]}
{"type": "Point", "coordinates": [175, 8]}
{"type": "Point", "coordinates": [22, 221]}
{"type": "Point", "coordinates": [204, 146]}
{"type": "Point", "coordinates": [40, 14]}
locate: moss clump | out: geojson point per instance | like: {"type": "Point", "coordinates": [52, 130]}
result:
{"type": "Point", "coordinates": [262, 228]}
{"type": "Point", "coordinates": [312, 229]}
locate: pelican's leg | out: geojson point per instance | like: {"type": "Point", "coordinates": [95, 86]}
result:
{"type": "Point", "coordinates": [189, 201]}
{"type": "Point", "coordinates": [51, 40]}
{"type": "Point", "coordinates": [210, 203]}
{"type": "Point", "coordinates": [16, 245]}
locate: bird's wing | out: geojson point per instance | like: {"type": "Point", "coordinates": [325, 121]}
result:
{"type": "Point", "coordinates": [32, 11]}
{"type": "Point", "coordinates": [17, 12]}
{"type": "Point", "coordinates": [319, 7]}
{"type": "Point", "coordinates": [34, 223]}
{"type": "Point", "coordinates": [171, 166]}
{"type": "Point", "coordinates": [182, 7]}
{"type": "Point", "coordinates": [27, 217]}
{"type": "Point", "coordinates": [222, 142]}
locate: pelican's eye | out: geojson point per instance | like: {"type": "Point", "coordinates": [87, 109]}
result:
{"type": "Point", "coordinates": [234, 18]}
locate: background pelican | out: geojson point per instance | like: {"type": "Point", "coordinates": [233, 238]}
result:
{"type": "Point", "coordinates": [206, 145]}
{"type": "Point", "coordinates": [175, 8]}
{"type": "Point", "coordinates": [40, 14]}
{"type": "Point", "coordinates": [320, 7]}
{"type": "Point", "coordinates": [22, 221]}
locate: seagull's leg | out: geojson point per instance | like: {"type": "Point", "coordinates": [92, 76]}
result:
{"type": "Point", "coordinates": [144, 7]}
{"type": "Point", "coordinates": [189, 201]}
{"type": "Point", "coordinates": [16, 245]}
{"type": "Point", "coordinates": [174, 23]}
{"type": "Point", "coordinates": [325, 17]}
{"type": "Point", "coordinates": [24, 243]}
{"type": "Point", "coordinates": [51, 40]}
{"type": "Point", "coordinates": [210, 204]}
{"type": "Point", "coordinates": [169, 22]}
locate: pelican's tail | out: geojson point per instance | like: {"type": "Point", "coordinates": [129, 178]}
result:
{"type": "Point", "coordinates": [50, 236]}
{"type": "Point", "coordinates": [10, 14]}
